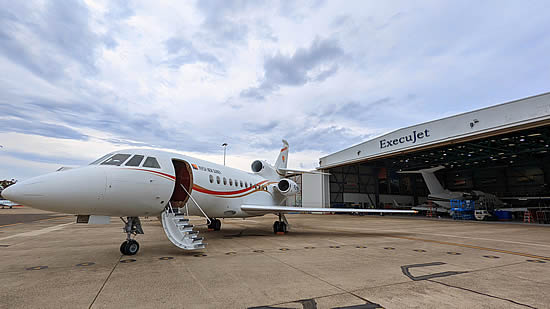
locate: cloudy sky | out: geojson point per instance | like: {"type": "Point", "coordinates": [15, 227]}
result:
{"type": "Point", "coordinates": [80, 79]}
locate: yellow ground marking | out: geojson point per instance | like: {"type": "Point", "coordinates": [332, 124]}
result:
{"type": "Point", "coordinates": [475, 247]}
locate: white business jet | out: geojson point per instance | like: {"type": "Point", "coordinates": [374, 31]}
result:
{"type": "Point", "coordinates": [445, 198]}
{"type": "Point", "coordinates": [143, 182]}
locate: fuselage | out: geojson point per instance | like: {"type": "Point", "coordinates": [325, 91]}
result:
{"type": "Point", "coordinates": [141, 182]}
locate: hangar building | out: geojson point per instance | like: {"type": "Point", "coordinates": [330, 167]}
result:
{"type": "Point", "coordinates": [502, 150]}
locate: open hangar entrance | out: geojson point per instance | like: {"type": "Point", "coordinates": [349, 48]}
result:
{"type": "Point", "coordinates": [513, 164]}
{"type": "Point", "coordinates": [498, 155]}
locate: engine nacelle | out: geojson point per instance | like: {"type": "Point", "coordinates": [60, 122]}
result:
{"type": "Point", "coordinates": [257, 166]}
{"type": "Point", "coordinates": [264, 169]}
{"type": "Point", "coordinates": [288, 187]}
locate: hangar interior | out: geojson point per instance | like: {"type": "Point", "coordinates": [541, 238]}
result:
{"type": "Point", "coordinates": [497, 156]}
{"type": "Point", "coordinates": [511, 165]}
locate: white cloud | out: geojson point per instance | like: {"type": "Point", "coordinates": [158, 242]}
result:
{"type": "Point", "coordinates": [117, 84]}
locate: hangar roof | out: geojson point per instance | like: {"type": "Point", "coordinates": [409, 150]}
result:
{"type": "Point", "coordinates": [503, 118]}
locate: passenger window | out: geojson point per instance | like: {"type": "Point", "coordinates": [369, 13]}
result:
{"type": "Point", "coordinates": [218, 179]}
{"type": "Point", "coordinates": [246, 184]}
{"type": "Point", "coordinates": [211, 179]}
{"type": "Point", "coordinates": [241, 182]}
{"type": "Point", "coordinates": [151, 162]}
{"type": "Point", "coordinates": [230, 181]}
{"type": "Point", "coordinates": [101, 159]}
{"type": "Point", "coordinates": [224, 181]}
{"type": "Point", "coordinates": [135, 160]}
{"type": "Point", "coordinates": [117, 159]}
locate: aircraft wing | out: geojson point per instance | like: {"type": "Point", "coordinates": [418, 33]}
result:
{"type": "Point", "coordinates": [293, 171]}
{"type": "Point", "coordinates": [285, 209]}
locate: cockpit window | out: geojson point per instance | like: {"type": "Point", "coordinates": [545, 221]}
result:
{"type": "Point", "coordinates": [135, 160]}
{"type": "Point", "coordinates": [117, 159]}
{"type": "Point", "coordinates": [101, 159]}
{"type": "Point", "coordinates": [151, 162]}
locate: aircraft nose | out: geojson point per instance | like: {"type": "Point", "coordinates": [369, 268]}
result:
{"type": "Point", "coordinates": [22, 193]}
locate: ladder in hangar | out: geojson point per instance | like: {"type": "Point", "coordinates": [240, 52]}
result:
{"type": "Point", "coordinates": [179, 231]}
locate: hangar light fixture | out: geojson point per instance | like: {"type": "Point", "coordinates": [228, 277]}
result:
{"type": "Point", "coordinates": [522, 140]}
{"type": "Point", "coordinates": [504, 139]}
{"type": "Point", "coordinates": [511, 145]}
{"type": "Point", "coordinates": [534, 134]}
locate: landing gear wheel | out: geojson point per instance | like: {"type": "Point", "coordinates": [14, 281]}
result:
{"type": "Point", "coordinates": [123, 247]}
{"type": "Point", "coordinates": [132, 247]}
{"type": "Point", "coordinates": [283, 228]}
{"type": "Point", "coordinates": [279, 227]}
{"type": "Point", "coordinates": [217, 225]}
{"type": "Point", "coordinates": [276, 225]}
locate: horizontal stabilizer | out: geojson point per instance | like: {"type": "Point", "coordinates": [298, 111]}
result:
{"type": "Point", "coordinates": [426, 170]}
{"type": "Point", "coordinates": [293, 171]}
{"type": "Point", "coordinates": [284, 209]}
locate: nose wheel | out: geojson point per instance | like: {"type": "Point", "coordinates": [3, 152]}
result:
{"type": "Point", "coordinates": [132, 226]}
{"type": "Point", "coordinates": [129, 247]}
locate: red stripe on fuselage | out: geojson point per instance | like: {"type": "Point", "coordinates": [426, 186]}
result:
{"type": "Point", "coordinates": [206, 191]}
{"type": "Point", "coordinates": [163, 174]}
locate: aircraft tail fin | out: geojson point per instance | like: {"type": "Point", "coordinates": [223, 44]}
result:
{"type": "Point", "coordinates": [430, 179]}
{"type": "Point", "coordinates": [282, 159]}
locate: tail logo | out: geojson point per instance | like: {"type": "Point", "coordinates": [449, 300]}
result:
{"type": "Point", "coordinates": [283, 158]}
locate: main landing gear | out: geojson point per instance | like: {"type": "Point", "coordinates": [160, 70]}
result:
{"type": "Point", "coordinates": [131, 227]}
{"type": "Point", "coordinates": [215, 224]}
{"type": "Point", "coordinates": [281, 226]}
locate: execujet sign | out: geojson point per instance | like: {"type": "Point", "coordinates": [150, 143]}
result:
{"type": "Point", "coordinates": [412, 138]}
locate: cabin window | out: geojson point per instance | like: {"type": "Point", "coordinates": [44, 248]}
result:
{"type": "Point", "coordinates": [225, 181]}
{"type": "Point", "coordinates": [218, 179]}
{"type": "Point", "coordinates": [230, 181]}
{"type": "Point", "coordinates": [151, 162]}
{"type": "Point", "coordinates": [241, 182]}
{"type": "Point", "coordinates": [246, 184]}
{"type": "Point", "coordinates": [211, 179]}
{"type": "Point", "coordinates": [135, 160]}
{"type": "Point", "coordinates": [117, 159]}
{"type": "Point", "coordinates": [101, 159]}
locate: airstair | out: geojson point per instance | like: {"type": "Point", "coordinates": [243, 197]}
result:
{"type": "Point", "coordinates": [179, 231]}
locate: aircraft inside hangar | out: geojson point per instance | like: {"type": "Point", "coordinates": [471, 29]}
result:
{"type": "Point", "coordinates": [498, 157]}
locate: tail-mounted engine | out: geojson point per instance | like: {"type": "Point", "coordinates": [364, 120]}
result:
{"type": "Point", "coordinates": [288, 187]}
{"type": "Point", "coordinates": [264, 169]}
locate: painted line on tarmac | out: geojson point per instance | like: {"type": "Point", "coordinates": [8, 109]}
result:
{"type": "Point", "coordinates": [38, 232]}
{"type": "Point", "coordinates": [12, 224]}
{"type": "Point", "coordinates": [444, 235]}
{"type": "Point", "coordinates": [474, 247]}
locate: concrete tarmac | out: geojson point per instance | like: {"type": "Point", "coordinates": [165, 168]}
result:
{"type": "Point", "coordinates": [326, 261]}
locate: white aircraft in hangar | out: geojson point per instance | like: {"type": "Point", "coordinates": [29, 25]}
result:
{"type": "Point", "coordinates": [443, 197]}
{"type": "Point", "coordinates": [139, 182]}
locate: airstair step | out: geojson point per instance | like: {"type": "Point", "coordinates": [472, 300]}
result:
{"type": "Point", "coordinates": [180, 232]}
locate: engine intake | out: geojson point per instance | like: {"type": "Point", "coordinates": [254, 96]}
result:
{"type": "Point", "coordinates": [257, 166]}
{"type": "Point", "coordinates": [288, 187]}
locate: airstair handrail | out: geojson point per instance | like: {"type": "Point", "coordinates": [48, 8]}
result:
{"type": "Point", "coordinates": [205, 215]}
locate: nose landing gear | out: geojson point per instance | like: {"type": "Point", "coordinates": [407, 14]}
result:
{"type": "Point", "coordinates": [131, 227]}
